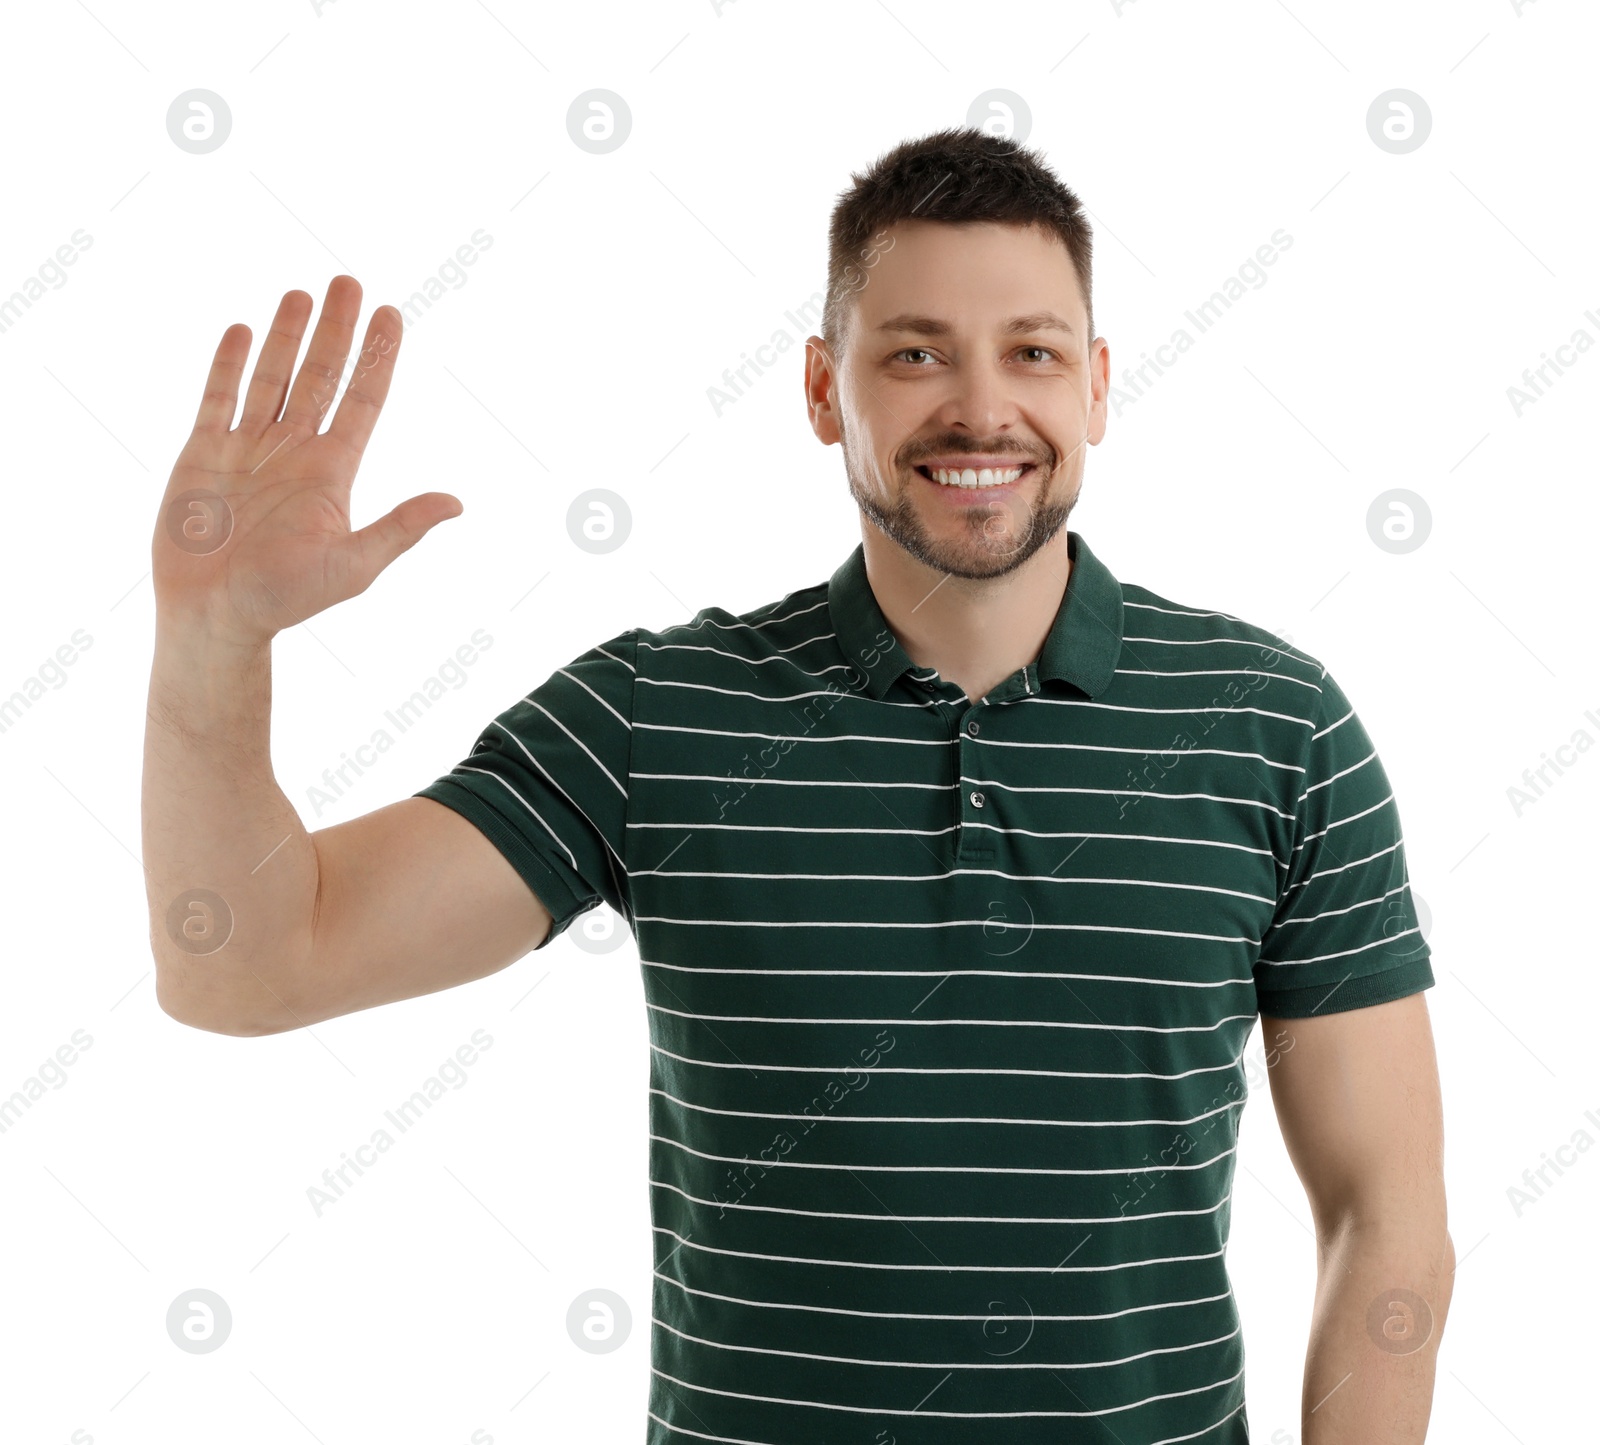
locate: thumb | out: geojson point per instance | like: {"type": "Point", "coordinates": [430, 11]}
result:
{"type": "Point", "coordinates": [365, 553]}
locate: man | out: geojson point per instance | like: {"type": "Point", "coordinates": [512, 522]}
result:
{"type": "Point", "coordinates": [958, 879]}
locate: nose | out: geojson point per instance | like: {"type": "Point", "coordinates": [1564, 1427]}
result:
{"type": "Point", "coordinates": [979, 402]}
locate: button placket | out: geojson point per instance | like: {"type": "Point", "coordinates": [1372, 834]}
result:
{"type": "Point", "coordinates": [974, 844]}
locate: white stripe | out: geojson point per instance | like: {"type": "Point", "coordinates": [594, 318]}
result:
{"type": "Point", "coordinates": [961, 973]}
{"type": "Point", "coordinates": [797, 782]}
{"type": "Point", "coordinates": [945, 787]}
{"type": "Point", "coordinates": [940, 1023]}
{"type": "Point", "coordinates": [1207, 641]}
{"type": "Point", "coordinates": [1149, 752]}
{"type": "Point", "coordinates": [943, 1218]}
{"type": "Point", "coordinates": [1184, 612]}
{"type": "Point", "coordinates": [1215, 672]}
{"type": "Point", "coordinates": [1163, 711]}
{"type": "Point", "coordinates": [1340, 822]}
{"type": "Point", "coordinates": [946, 1119]}
{"type": "Point", "coordinates": [600, 833]}
{"type": "Point", "coordinates": [795, 828]}
{"type": "Point", "coordinates": [1118, 793]}
{"type": "Point", "coordinates": [687, 1241]}
{"type": "Point", "coordinates": [993, 827]}
{"type": "Point", "coordinates": [788, 697]}
{"type": "Point", "coordinates": [903, 1315]}
{"type": "Point", "coordinates": [1341, 773]}
{"type": "Point", "coordinates": [1335, 912]}
{"type": "Point", "coordinates": [801, 737]}
{"type": "Point", "coordinates": [1344, 867]}
{"type": "Point", "coordinates": [745, 1440]}
{"type": "Point", "coordinates": [959, 1364]}
{"type": "Point", "coordinates": [596, 696]}
{"type": "Point", "coordinates": [631, 668]}
{"type": "Point", "coordinates": [463, 768]}
{"type": "Point", "coordinates": [1010, 743]}
{"type": "Point", "coordinates": [942, 877]}
{"type": "Point", "coordinates": [739, 622]}
{"type": "Point", "coordinates": [941, 923]}
{"type": "Point", "coordinates": [777, 655]}
{"type": "Point", "coordinates": [799, 612]}
{"type": "Point", "coordinates": [1344, 953]}
{"type": "Point", "coordinates": [1331, 726]}
{"type": "Point", "coordinates": [1125, 837]}
{"type": "Point", "coordinates": [1227, 1067]}
{"type": "Point", "coordinates": [932, 1168]}
{"type": "Point", "coordinates": [580, 742]}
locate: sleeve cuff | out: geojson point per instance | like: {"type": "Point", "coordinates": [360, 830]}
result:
{"type": "Point", "coordinates": [1327, 998]}
{"type": "Point", "coordinates": [542, 879]}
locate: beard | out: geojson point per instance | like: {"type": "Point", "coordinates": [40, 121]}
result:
{"type": "Point", "coordinates": [989, 540]}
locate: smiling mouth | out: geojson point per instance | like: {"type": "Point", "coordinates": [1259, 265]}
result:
{"type": "Point", "coordinates": [975, 478]}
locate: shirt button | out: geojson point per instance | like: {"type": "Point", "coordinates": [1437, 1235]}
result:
{"type": "Point", "coordinates": [975, 798]}
{"type": "Point", "coordinates": [972, 729]}
{"type": "Point", "coordinates": [928, 685]}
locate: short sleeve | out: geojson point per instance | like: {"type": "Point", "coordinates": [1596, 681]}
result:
{"type": "Point", "coordinates": [1345, 933]}
{"type": "Point", "coordinates": [547, 782]}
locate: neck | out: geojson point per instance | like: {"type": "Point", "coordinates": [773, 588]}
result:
{"type": "Point", "coordinates": [974, 631]}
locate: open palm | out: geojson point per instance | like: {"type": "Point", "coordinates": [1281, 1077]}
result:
{"type": "Point", "coordinates": [254, 531]}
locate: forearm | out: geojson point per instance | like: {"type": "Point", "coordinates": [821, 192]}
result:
{"type": "Point", "coordinates": [216, 826]}
{"type": "Point", "coordinates": [1383, 1290]}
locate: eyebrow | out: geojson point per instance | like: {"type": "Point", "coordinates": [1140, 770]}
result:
{"type": "Point", "coordinates": [1016, 326]}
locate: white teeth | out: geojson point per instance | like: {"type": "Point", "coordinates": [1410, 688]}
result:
{"type": "Point", "coordinates": [984, 477]}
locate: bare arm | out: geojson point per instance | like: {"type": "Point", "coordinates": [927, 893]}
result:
{"type": "Point", "coordinates": [256, 925]}
{"type": "Point", "coordinates": [1357, 1096]}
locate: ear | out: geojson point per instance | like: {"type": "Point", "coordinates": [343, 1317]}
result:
{"type": "Point", "coordinates": [1099, 388]}
{"type": "Point", "coordinates": [821, 383]}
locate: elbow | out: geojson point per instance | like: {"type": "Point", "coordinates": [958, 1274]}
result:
{"type": "Point", "coordinates": [1446, 1278]}
{"type": "Point", "coordinates": [232, 1028]}
{"type": "Point", "coordinates": [1411, 1249]}
{"type": "Point", "coordinates": [207, 1021]}
{"type": "Point", "coordinates": [209, 1010]}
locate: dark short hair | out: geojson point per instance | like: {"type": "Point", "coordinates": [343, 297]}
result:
{"type": "Point", "coordinates": [957, 175]}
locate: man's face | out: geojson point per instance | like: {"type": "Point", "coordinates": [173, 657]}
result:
{"type": "Point", "coordinates": [965, 347]}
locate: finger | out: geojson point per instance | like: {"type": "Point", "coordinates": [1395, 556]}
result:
{"type": "Point", "coordinates": [368, 551]}
{"type": "Point", "coordinates": [222, 381]}
{"type": "Point", "coordinates": [318, 378]}
{"type": "Point", "coordinates": [369, 382]}
{"type": "Point", "coordinates": [269, 382]}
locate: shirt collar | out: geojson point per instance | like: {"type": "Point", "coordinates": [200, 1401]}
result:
{"type": "Point", "coordinates": [1081, 647]}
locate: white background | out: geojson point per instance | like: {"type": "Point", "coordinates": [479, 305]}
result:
{"type": "Point", "coordinates": [430, 1301]}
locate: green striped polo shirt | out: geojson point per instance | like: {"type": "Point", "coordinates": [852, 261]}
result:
{"type": "Point", "coordinates": [949, 1001]}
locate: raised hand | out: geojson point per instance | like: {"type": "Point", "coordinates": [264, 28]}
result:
{"type": "Point", "coordinates": [254, 531]}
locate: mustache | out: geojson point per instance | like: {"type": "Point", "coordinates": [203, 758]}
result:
{"type": "Point", "coordinates": [1046, 461]}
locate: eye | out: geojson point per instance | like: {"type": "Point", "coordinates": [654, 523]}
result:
{"type": "Point", "coordinates": [1045, 350]}
{"type": "Point", "coordinates": [911, 351]}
